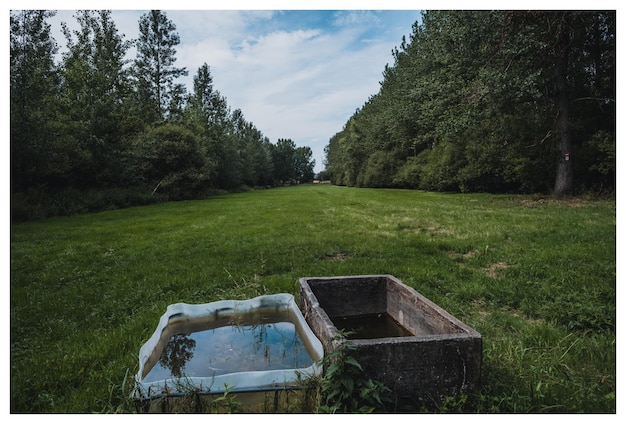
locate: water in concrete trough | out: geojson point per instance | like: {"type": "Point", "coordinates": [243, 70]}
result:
{"type": "Point", "coordinates": [371, 326]}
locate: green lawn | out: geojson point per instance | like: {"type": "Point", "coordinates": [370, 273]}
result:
{"type": "Point", "coordinates": [535, 276]}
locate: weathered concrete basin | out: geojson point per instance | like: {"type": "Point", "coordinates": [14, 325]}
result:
{"type": "Point", "coordinates": [432, 355]}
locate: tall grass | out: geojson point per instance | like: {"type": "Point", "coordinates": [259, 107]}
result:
{"type": "Point", "coordinates": [535, 276]}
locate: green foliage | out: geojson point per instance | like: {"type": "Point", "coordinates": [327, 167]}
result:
{"type": "Point", "coordinates": [171, 162]}
{"type": "Point", "coordinates": [33, 93]}
{"type": "Point", "coordinates": [472, 104]}
{"type": "Point", "coordinates": [345, 388]}
{"type": "Point", "coordinates": [225, 402]}
{"type": "Point", "coordinates": [97, 121]}
{"type": "Point", "coordinates": [40, 202]}
{"type": "Point", "coordinates": [292, 163]}
{"type": "Point", "coordinates": [380, 168]}
{"type": "Point", "coordinates": [604, 143]}
{"type": "Point", "coordinates": [154, 67]}
{"type": "Point", "coordinates": [95, 86]}
{"type": "Point", "coordinates": [192, 401]}
{"type": "Point", "coordinates": [597, 160]}
{"type": "Point", "coordinates": [408, 175]}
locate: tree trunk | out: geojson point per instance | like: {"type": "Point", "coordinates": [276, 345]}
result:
{"type": "Point", "coordinates": [564, 183]}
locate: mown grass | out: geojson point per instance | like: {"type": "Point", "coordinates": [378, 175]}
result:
{"type": "Point", "coordinates": [535, 276]}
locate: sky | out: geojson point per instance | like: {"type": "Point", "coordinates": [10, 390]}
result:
{"type": "Point", "coordinates": [295, 74]}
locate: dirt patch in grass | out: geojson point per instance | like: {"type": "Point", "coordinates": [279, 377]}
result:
{"type": "Point", "coordinates": [481, 306]}
{"type": "Point", "coordinates": [341, 256]}
{"type": "Point", "coordinates": [493, 270]}
{"type": "Point", "coordinates": [466, 255]}
{"type": "Point", "coordinates": [572, 202]}
{"type": "Point", "coordinates": [420, 227]}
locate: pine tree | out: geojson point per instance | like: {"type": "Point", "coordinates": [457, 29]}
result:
{"type": "Point", "coordinates": [155, 72]}
{"type": "Point", "coordinates": [34, 86]}
{"type": "Point", "coordinates": [94, 95]}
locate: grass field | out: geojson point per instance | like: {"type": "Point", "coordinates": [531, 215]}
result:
{"type": "Point", "coordinates": [535, 276]}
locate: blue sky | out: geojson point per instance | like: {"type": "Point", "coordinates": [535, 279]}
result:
{"type": "Point", "coordinates": [297, 74]}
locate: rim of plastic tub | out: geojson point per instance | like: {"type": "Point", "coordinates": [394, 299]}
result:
{"type": "Point", "coordinates": [245, 381]}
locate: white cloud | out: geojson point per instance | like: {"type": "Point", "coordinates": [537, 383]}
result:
{"type": "Point", "coordinates": [356, 17]}
{"type": "Point", "coordinates": [300, 84]}
{"type": "Point", "coordinates": [297, 80]}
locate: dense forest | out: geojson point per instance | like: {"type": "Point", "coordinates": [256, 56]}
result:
{"type": "Point", "coordinates": [496, 101]}
{"type": "Point", "coordinates": [95, 130]}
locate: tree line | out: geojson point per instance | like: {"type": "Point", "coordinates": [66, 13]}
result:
{"type": "Point", "coordinates": [496, 101]}
{"type": "Point", "coordinates": [98, 127]}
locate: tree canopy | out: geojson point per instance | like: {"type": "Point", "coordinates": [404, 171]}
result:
{"type": "Point", "coordinates": [99, 121]}
{"type": "Point", "coordinates": [499, 101]}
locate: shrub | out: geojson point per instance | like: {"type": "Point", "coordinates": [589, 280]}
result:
{"type": "Point", "coordinates": [170, 160]}
{"type": "Point", "coordinates": [346, 389]}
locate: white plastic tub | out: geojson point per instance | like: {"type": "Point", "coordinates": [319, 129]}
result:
{"type": "Point", "coordinates": [259, 316]}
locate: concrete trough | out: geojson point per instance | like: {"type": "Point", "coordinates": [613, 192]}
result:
{"type": "Point", "coordinates": [401, 339]}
